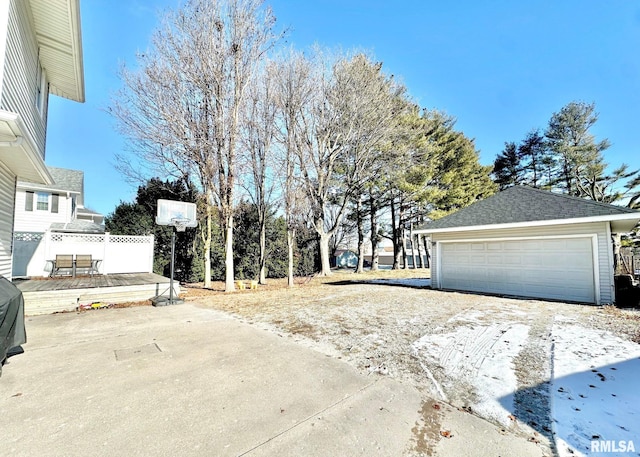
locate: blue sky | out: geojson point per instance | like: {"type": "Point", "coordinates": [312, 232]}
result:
{"type": "Point", "coordinates": [501, 68]}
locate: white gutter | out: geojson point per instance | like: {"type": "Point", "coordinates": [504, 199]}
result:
{"type": "Point", "coordinates": [582, 220]}
{"type": "Point", "coordinates": [25, 185]}
{"type": "Point", "coordinates": [26, 144]}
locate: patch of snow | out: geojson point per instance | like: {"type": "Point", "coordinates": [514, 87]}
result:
{"type": "Point", "coordinates": [481, 356]}
{"type": "Point", "coordinates": [595, 388]}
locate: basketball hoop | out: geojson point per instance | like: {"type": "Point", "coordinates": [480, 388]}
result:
{"type": "Point", "coordinates": [180, 223]}
{"type": "Point", "coordinates": [179, 215]}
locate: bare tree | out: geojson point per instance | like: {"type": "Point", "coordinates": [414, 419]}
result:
{"type": "Point", "coordinates": [344, 121]}
{"type": "Point", "coordinates": [294, 89]}
{"type": "Point", "coordinates": [259, 132]}
{"type": "Point", "coordinates": [181, 108]}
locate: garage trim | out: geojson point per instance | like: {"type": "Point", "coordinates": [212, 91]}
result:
{"type": "Point", "coordinates": [594, 253]}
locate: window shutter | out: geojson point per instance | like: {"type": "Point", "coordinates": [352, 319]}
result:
{"type": "Point", "coordinates": [28, 205]}
{"type": "Point", "coordinates": [54, 202]}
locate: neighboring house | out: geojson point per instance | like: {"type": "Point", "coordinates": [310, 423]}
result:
{"type": "Point", "coordinates": [58, 207]}
{"type": "Point", "coordinates": [530, 243]}
{"type": "Point", "coordinates": [346, 256]}
{"type": "Point", "coordinates": [40, 53]}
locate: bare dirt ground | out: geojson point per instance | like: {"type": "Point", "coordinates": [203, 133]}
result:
{"type": "Point", "coordinates": [378, 328]}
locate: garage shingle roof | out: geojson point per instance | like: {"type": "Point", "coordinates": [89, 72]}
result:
{"type": "Point", "coordinates": [525, 204]}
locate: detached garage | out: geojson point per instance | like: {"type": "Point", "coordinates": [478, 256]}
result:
{"type": "Point", "coordinates": [530, 243]}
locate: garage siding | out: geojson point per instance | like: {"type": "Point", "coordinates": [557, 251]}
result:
{"type": "Point", "coordinates": [603, 245]}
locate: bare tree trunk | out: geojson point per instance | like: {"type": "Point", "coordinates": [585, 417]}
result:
{"type": "Point", "coordinates": [395, 237]}
{"type": "Point", "coordinates": [417, 245]}
{"type": "Point", "coordinates": [360, 225]}
{"type": "Point", "coordinates": [291, 238]}
{"type": "Point", "coordinates": [405, 257]}
{"type": "Point", "coordinates": [263, 252]}
{"type": "Point", "coordinates": [229, 285]}
{"type": "Point", "coordinates": [413, 246]}
{"type": "Point", "coordinates": [324, 254]}
{"type": "Point", "coordinates": [616, 239]}
{"type": "Point", "coordinates": [401, 234]}
{"type": "Point", "coordinates": [375, 238]}
{"type": "Point", "coordinates": [426, 250]}
{"type": "Point", "coordinates": [207, 249]}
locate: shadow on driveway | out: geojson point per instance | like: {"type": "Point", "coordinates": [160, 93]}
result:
{"type": "Point", "coordinates": [413, 283]}
{"type": "Point", "coordinates": [601, 404]}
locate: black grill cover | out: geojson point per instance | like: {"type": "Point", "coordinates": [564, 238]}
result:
{"type": "Point", "coordinates": [12, 331]}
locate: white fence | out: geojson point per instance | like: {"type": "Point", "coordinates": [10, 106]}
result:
{"type": "Point", "coordinates": [32, 252]}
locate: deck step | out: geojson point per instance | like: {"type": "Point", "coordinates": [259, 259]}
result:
{"type": "Point", "coordinates": [52, 301]}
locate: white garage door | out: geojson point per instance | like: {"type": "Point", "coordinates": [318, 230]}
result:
{"type": "Point", "coordinates": [559, 268]}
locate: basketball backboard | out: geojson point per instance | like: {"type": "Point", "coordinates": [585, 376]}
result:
{"type": "Point", "coordinates": [171, 211]}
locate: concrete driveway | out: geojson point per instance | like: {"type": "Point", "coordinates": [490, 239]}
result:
{"type": "Point", "coordinates": [181, 380]}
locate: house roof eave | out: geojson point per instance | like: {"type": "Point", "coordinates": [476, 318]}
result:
{"type": "Point", "coordinates": [58, 32]}
{"type": "Point", "coordinates": [619, 223]}
{"type": "Point", "coordinates": [31, 186]}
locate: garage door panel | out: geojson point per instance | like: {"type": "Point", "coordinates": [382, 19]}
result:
{"type": "Point", "coordinates": [514, 260]}
{"type": "Point", "coordinates": [494, 260]}
{"type": "Point", "coordinates": [477, 260]}
{"type": "Point", "coordinates": [534, 260]}
{"type": "Point", "coordinates": [550, 268]}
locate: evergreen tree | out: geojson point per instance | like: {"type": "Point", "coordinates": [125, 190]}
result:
{"type": "Point", "coordinates": [533, 156]}
{"type": "Point", "coordinates": [579, 156]}
{"type": "Point", "coordinates": [507, 168]}
{"type": "Point", "coordinates": [138, 218]}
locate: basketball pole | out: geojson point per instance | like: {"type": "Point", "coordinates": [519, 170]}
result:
{"type": "Point", "coordinates": [173, 257]}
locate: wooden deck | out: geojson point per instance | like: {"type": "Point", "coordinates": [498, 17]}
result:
{"type": "Point", "coordinates": [49, 295]}
{"type": "Point", "coordinates": [84, 282]}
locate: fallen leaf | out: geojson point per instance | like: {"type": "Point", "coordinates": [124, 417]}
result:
{"type": "Point", "coordinates": [436, 406]}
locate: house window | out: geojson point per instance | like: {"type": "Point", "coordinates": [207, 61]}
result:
{"type": "Point", "coordinates": [42, 201]}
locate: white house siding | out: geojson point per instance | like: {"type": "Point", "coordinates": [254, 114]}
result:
{"type": "Point", "coordinates": [7, 196]}
{"type": "Point", "coordinates": [4, 20]}
{"type": "Point", "coordinates": [600, 229]}
{"type": "Point", "coordinates": [21, 73]}
{"type": "Point", "coordinates": [38, 220]}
